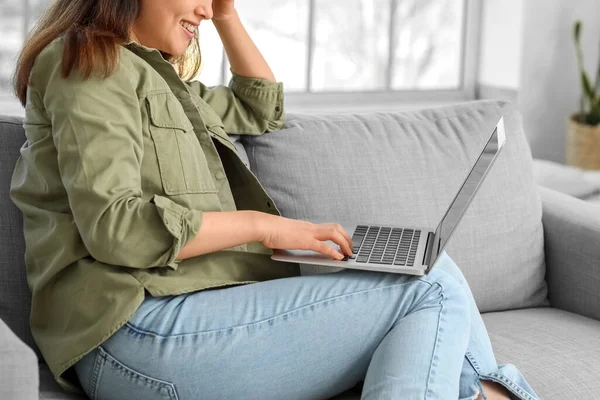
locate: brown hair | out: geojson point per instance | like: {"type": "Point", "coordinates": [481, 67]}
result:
{"type": "Point", "coordinates": [93, 31]}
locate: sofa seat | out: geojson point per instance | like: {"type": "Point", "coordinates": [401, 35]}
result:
{"type": "Point", "coordinates": [49, 389]}
{"type": "Point", "coordinates": [558, 352]}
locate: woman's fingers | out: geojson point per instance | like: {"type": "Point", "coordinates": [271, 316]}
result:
{"type": "Point", "coordinates": [336, 234]}
{"type": "Point", "coordinates": [346, 236]}
{"type": "Point", "coordinates": [342, 238]}
{"type": "Point", "coordinates": [325, 249]}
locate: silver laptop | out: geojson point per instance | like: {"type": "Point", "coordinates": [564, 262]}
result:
{"type": "Point", "coordinates": [406, 250]}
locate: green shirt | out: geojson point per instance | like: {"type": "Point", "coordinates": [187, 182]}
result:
{"type": "Point", "coordinates": [112, 183]}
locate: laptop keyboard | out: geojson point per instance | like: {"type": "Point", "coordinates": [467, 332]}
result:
{"type": "Point", "coordinates": [384, 245]}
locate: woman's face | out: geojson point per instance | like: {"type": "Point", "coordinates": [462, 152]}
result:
{"type": "Point", "coordinates": [170, 25]}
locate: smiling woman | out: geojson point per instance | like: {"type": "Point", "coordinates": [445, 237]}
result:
{"type": "Point", "coordinates": [147, 204]}
{"type": "Point", "coordinates": [171, 28]}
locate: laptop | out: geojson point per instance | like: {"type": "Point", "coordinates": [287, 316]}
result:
{"type": "Point", "coordinates": [406, 250]}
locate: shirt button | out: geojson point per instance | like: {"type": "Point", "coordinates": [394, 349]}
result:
{"type": "Point", "coordinates": [277, 108]}
{"type": "Point", "coordinates": [219, 175]}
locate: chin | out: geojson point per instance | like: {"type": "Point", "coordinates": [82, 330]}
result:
{"type": "Point", "coordinates": [179, 52]}
{"type": "Point", "coordinates": [175, 54]}
{"type": "Point", "coordinates": [176, 50]}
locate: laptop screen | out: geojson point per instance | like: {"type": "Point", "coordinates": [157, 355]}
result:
{"type": "Point", "coordinates": [470, 186]}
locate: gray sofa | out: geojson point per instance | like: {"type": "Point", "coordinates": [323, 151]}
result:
{"type": "Point", "coordinates": [531, 255]}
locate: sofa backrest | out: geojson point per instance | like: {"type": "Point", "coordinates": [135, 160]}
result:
{"type": "Point", "coordinates": [404, 168]}
{"type": "Point", "coordinates": [391, 168]}
{"type": "Point", "coordinates": [15, 297]}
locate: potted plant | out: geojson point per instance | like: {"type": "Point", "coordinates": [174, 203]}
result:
{"type": "Point", "coordinates": [583, 136]}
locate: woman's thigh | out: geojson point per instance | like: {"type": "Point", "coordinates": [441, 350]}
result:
{"type": "Point", "coordinates": [294, 338]}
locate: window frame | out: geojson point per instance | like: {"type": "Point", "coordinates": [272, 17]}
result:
{"type": "Point", "coordinates": [310, 101]}
{"type": "Point", "coordinates": [334, 100]}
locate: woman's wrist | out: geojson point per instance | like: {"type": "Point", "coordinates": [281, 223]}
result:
{"type": "Point", "coordinates": [224, 21]}
{"type": "Point", "coordinates": [244, 56]}
{"type": "Point", "coordinates": [257, 221]}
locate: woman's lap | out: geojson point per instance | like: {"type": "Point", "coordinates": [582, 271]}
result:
{"type": "Point", "coordinates": [302, 337]}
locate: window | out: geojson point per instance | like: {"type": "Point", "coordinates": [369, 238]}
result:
{"type": "Point", "coordinates": [327, 51]}
{"type": "Point", "coordinates": [340, 53]}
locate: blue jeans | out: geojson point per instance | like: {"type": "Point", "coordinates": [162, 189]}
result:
{"type": "Point", "coordinates": [307, 337]}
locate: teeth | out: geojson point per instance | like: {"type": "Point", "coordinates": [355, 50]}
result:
{"type": "Point", "coordinates": [191, 28]}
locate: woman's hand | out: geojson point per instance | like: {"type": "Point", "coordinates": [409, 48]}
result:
{"type": "Point", "coordinates": [223, 10]}
{"type": "Point", "coordinates": [285, 233]}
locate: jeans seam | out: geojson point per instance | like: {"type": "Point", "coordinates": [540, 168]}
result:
{"type": "Point", "coordinates": [437, 337]}
{"type": "Point", "coordinates": [473, 362]}
{"type": "Point", "coordinates": [492, 377]}
{"type": "Point", "coordinates": [514, 388]}
{"type": "Point", "coordinates": [114, 363]}
{"type": "Point", "coordinates": [154, 382]}
{"type": "Point", "coordinates": [96, 372]}
{"type": "Point", "coordinates": [141, 331]}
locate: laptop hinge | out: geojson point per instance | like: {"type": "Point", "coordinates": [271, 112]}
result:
{"type": "Point", "coordinates": [428, 248]}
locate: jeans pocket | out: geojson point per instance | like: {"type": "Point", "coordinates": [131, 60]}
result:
{"type": "Point", "coordinates": [113, 380]}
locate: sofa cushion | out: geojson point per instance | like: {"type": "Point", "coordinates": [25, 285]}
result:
{"type": "Point", "coordinates": [50, 390]}
{"type": "Point", "coordinates": [404, 168]}
{"type": "Point", "coordinates": [558, 352]}
{"type": "Point", "coordinates": [15, 297]}
{"type": "Point", "coordinates": [18, 367]}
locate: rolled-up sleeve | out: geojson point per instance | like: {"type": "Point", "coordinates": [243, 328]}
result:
{"type": "Point", "coordinates": [249, 106]}
{"type": "Point", "coordinates": [182, 223]}
{"type": "Point", "coordinates": [97, 131]}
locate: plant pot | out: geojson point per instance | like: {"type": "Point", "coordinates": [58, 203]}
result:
{"type": "Point", "coordinates": [582, 145]}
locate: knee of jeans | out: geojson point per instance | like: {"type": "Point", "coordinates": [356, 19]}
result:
{"type": "Point", "coordinates": [447, 264]}
{"type": "Point", "coordinates": [450, 289]}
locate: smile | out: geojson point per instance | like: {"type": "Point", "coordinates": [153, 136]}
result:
{"type": "Point", "coordinates": [190, 29]}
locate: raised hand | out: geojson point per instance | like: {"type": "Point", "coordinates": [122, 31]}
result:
{"type": "Point", "coordinates": [223, 10]}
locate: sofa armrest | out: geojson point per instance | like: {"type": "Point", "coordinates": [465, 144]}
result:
{"type": "Point", "coordinates": [19, 372]}
{"type": "Point", "coordinates": [572, 247]}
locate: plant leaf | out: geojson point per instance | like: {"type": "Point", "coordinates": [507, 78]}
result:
{"type": "Point", "coordinates": [598, 79]}
{"type": "Point", "coordinates": [577, 30]}
{"type": "Point", "coordinates": [587, 87]}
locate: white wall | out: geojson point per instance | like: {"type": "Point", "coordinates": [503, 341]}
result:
{"type": "Point", "coordinates": [501, 43]}
{"type": "Point", "coordinates": [527, 48]}
{"type": "Point", "coordinates": [550, 88]}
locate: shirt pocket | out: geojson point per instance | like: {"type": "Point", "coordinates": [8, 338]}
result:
{"type": "Point", "coordinates": [181, 161]}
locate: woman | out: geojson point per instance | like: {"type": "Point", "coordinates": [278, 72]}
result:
{"type": "Point", "coordinates": [148, 239]}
